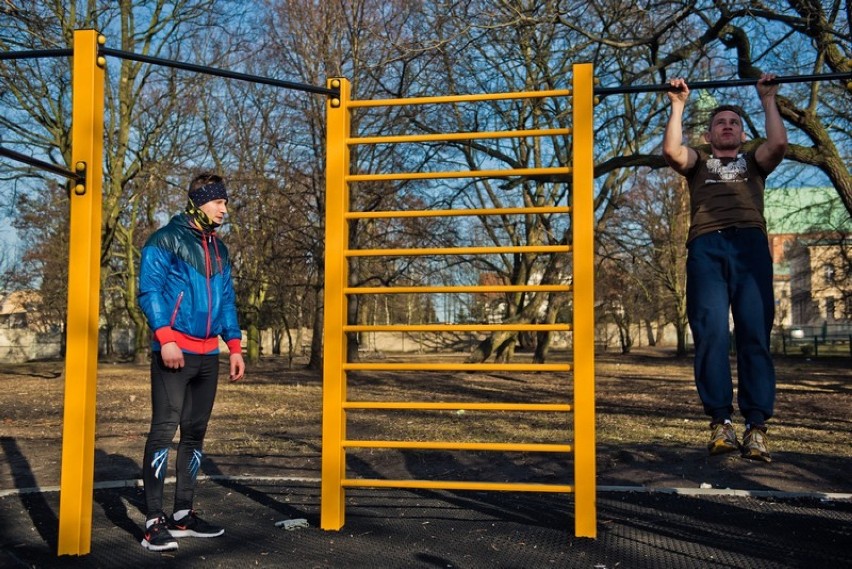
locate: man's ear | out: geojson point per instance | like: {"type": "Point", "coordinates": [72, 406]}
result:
{"type": "Point", "coordinates": [707, 137]}
{"type": "Point", "coordinates": [744, 137]}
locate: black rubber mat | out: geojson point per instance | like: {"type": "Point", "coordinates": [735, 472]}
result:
{"type": "Point", "coordinates": [426, 529]}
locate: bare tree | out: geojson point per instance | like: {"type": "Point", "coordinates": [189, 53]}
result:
{"type": "Point", "coordinates": [366, 41]}
{"type": "Point", "coordinates": [735, 40]}
{"type": "Point", "coordinates": [703, 41]}
{"type": "Point", "coordinates": [496, 47]}
{"type": "Point", "coordinates": [652, 225]}
{"type": "Point", "coordinates": [42, 219]}
{"type": "Point", "coordinates": [161, 124]}
{"type": "Point", "coordinates": [145, 129]}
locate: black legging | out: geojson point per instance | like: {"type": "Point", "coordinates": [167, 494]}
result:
{"type": "Point", "coordinates": [182, 398]}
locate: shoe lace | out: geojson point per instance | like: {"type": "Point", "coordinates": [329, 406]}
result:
{"type": "Point", "coordinates": [756, 437]}
{"type": "Point", "coordinates": [156, 528]}
{"type": "Point", "coordinates": [722, 431]}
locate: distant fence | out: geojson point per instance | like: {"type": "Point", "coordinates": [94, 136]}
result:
{"type": "Point", "coordinates": [21, 345]}
{"type": "Point", "coordinates": [815, 341]}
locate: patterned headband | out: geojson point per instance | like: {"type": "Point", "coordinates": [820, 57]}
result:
{"type": "Point", "coordinates": [209, 192]}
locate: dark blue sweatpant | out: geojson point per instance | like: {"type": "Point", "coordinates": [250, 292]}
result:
{"type": "Point", "coordinates": [732, 268]}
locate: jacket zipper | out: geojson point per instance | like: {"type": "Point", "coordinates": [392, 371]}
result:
{"type": "Point", "coordinates": [209, 266]}
{"type": "Point", "coordinates": [175, 312]}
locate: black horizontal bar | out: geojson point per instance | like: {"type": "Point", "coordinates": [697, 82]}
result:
{"type": "Point", "coordinates": [603, 91]}
{"type": "Point", "coordinates": [218, 72]}
{"type": "Point", "coordinates": [41, 164]}
{"type": "Point", "coordinates": [36, 53]}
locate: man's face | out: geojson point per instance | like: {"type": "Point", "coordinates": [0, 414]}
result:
{"type": "Point", "coordinates": [215, 210]}
{"type": "Point", "coordinates": [726, 131]}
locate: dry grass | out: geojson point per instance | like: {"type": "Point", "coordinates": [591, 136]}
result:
{"type": "Point", "coordinates": [271, 422]}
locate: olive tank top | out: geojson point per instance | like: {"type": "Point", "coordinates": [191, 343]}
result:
{"type": "Point", "coordinates": [725, 192]}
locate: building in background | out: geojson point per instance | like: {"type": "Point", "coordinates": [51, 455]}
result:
{"type": "Point", "coordinates": [810, 235]}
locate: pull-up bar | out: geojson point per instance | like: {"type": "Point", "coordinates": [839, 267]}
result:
{"type": "Point", "coordinates": [29, 160]}
{"type": "Point", "coordinates": [42, 164]}
{"type": "Point", "coordinates": [44, 53]}
{"type": "Point", "coordinates": [218, 72]}
{"type": "Point", "coordinates": [604, 91]}
{"type": "Point", "coordinates": [36, 53]}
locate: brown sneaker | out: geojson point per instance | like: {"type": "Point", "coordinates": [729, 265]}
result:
{"type": "Point", "coordinates": [723, 439]}
{"type": "Point", "coordinates": [754, 444]}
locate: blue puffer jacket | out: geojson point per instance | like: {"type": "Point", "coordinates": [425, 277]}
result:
{"type": "Point", "coordinates": [185, 289]}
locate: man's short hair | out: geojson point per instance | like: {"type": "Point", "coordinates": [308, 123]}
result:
{"type": "Point", "coordinates": [204, 179]}
{"type": "Point", "coordinates": [721, 108]}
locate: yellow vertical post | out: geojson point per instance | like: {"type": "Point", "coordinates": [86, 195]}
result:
{"type": "Point", "coordinates": [584, 302]}
{"type": "Point", "coordinates": [332, 512]}
{"type": "Point", "coordinates": [81, 360]}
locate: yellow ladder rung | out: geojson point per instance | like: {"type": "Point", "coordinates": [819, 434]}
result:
{"type": "Point", "coordinates": [449, 445]}
{"type": "Point", "coordinates": [457, 485]}
{"type": "Point", "coordinates": [499, 173]}
{"type": "Point", "coordinates": [373, 366]}
{"type": "Point", "coordinates": [456, 289]}
{"type": "Point", "coordinates": [471, 98]}
{"type": "Point", "coordinates": [496, 250]}
{"type": "Point", "coordinates": [456, 212]}
{"type": "Point", "coordinates": [458, 406]}
{"type": "Point", "coordinates": [447, 136]}
{"type": "Point", "coordinates": [456, 327]}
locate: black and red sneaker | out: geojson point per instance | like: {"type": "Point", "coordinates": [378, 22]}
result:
{"type": "Point", "coordinates": [193, 526]}
{"type": "Point", "coordinates": [157, 536]}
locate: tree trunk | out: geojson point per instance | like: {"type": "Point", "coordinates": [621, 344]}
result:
{"type": "Point", "coordinates": [252, 342]}
{"type": "Point", "coordinates": [624, 336]}
{"type": "Point", "coordinates": [681, 340]}
{"type": "Point", "coordinates": [495, 343]}
{"type": "Point", "coordinates": [315, 360]}
{"type": "Point", "coordinates": [649, 333]}
{"type": "Point", "coordinates": [141, 340]}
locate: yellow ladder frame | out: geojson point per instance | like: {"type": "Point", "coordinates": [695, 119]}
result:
{"type": "Point", "coordinates": [335, 402]}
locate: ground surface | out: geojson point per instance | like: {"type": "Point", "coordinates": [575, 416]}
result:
{"type": "Point", "coordinates": [650, 431]}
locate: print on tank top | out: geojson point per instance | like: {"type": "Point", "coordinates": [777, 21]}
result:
{"type": "Point", "coordinates": [734, 171]}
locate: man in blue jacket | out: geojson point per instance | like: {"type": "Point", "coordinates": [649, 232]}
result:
{"type": "Point", "coordinates": [186, 293]}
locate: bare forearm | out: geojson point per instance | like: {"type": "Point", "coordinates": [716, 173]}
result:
{"type": "Point", "coordinates": [771, 152]}
{"type": "Point", "coordinates": [674, 151]}
{"type": "Point", "coordinates": [776, 133]}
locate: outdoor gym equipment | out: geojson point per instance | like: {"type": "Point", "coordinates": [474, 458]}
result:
{"type": "Point", "coordinates": [89, 56]}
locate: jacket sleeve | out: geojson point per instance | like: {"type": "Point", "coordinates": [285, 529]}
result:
{"type": "Point", "coordinates": [231, 332]}
{"type": "Point", "coordinates": [153, 272]}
